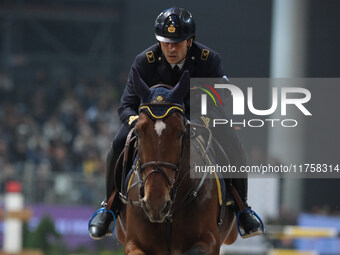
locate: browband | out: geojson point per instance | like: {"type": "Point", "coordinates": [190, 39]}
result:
{"type": "Point", "coordinates": [158, 111]}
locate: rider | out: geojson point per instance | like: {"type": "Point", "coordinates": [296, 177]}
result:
{"type": "Point", "coordinates": [163, 63]}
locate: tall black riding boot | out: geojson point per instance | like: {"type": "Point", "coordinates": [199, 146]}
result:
{"type": "Point", "coordinates": [102, 223]}
{"type": "Point", "coordinates": [248, 222]}
{"type": "Point", "coordinates": [113, 179]}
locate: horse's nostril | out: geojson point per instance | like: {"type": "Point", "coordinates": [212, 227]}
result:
{"type": "Point", "coordinates": [144, 206]}
{"type": "Point", "coordinates": [167, 207]}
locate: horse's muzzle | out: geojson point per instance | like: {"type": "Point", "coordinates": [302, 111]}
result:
{"type": "Point", "coordinates": [156, 214]}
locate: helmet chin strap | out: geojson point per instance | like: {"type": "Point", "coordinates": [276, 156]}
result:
{"type": "Point", "coordinates": [189, 47]}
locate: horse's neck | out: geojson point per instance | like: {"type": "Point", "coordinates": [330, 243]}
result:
{"type": "Point", "coordinates": [190, 158]}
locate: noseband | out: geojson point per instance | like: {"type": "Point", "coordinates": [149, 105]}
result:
{"type": "Point", "coordinates": [158, 168]}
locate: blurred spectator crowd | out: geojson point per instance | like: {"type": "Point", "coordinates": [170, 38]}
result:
{"type": "Point", "coordinates": [51, 128]}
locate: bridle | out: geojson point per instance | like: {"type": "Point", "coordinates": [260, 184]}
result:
{"type": "Point", "coordinates": [174, 184]}
{"type": "Point", "coordinates": [158, 166]}
{"type": "Point", "coordinates": [139, 166]}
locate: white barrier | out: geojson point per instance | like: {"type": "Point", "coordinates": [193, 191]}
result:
{"type": "Point", "coordinates": [13, 215]}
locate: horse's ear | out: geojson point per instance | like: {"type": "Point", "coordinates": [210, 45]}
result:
{"type": "Point", "coordinates": [142, 90]}
{"type": "Point", "coordinates": [182, 87]}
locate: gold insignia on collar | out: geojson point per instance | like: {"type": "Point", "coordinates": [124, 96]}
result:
{"type": "Point", "coordinates": [171, 29]}
{"type": "Point", "coordinates": [159, 98]}
{"type": "Point", "coordinates": [205, 54]}
{"type": "Point", "coordinates": [150, 56]}
{"type": "Point", "coordinates": [132, 119]}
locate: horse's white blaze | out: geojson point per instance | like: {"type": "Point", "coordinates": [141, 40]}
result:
{"type": "Point", "coordinates": [159, 127]}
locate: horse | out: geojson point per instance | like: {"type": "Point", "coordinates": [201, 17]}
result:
{"type": "Point", "coordinates": [166, 211]}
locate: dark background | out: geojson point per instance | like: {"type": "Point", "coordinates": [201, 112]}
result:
{"type": "Point", "coordinates": [82, 39]}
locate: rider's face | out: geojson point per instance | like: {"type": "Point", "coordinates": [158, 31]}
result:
{"type": "Point", "coordinates": [175, 52]}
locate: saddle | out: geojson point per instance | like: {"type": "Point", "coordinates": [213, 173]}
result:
{"type": "Point", "coordinates": [125, 161]}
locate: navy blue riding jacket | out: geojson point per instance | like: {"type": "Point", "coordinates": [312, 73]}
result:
{"type": "Point", "coordinates": [154, 69]}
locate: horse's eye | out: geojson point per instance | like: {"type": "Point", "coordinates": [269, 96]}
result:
{"type": "Point", "coordinates": [181, 133]}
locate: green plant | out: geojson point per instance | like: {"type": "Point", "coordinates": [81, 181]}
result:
{"type": "Point", "coordinates": [45, 238]}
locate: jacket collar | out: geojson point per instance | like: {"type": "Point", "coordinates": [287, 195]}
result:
{"type": "Point", "coordinates": [164, 68]}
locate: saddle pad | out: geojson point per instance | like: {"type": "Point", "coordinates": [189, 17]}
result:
{"type": "Point", "coordinates": [227, 197]}
{"type": "Point", "coordinates": [224, 195]}
{"type": "Point", "coordinates": [128, 178]}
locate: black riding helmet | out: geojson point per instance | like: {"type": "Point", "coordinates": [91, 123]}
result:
{"type": "Point", "coordinates": [174, 25]}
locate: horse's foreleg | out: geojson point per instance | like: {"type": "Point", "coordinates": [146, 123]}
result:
{"type": "Point", "coordinates": [232, 236]}
{"type": "Point", "coordinates": [132, 249]}
{"type": "Point", "coordinates": [196, 250]}
{"type": "Point", "coordinates": [206, 246]}
{"type": "Point", "coordinates": [202, 249]}
{"type": "Point", "coordinates": [120, 231]}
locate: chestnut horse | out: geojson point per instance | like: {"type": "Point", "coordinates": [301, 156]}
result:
{"type": "Point", "coordinates": [166, 211]}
